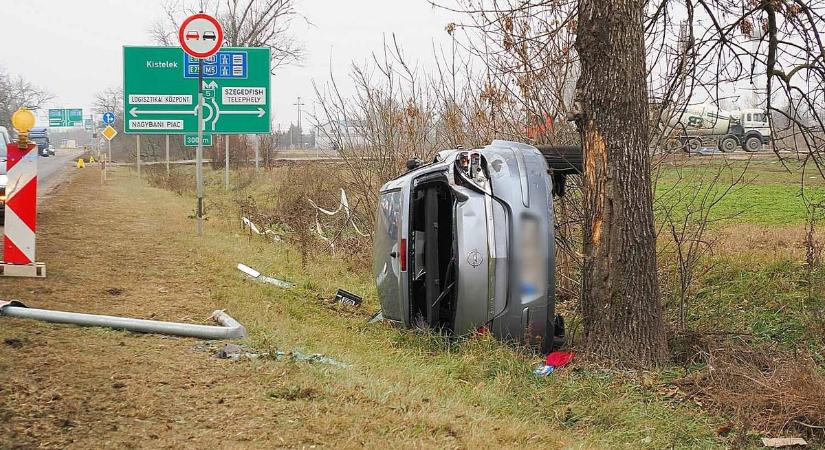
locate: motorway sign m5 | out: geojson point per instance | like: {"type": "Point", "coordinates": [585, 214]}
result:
{"type": "Point", "coordinates": [161, 91]}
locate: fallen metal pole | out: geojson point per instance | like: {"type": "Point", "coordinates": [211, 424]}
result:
{"type": "Point", "coordinates": [229, 329]}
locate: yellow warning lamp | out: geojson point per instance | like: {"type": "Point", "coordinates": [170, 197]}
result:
{"type": "Point", "coordinates": [22, 120]}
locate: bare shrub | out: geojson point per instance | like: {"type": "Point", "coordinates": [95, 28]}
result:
{"type": "Point", "coordinates": [179, 180]}
{"type": "Point", "coordinates": [765, 389]}
{"type": "Point", "coordinates": [296, 185]}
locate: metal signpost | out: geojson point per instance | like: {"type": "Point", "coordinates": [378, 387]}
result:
{"type": "Point", "coordinates": [109, 133]}
{"type": "Point", "coordinates": [65, 117]}
{"type": "Point", "coordinates": [193, 35]}
{"type": "Point", "coordinates": [159, 94]}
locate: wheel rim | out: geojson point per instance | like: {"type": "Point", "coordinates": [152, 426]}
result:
{"type": "Point", "coordinates": [694, 144]}
{"type": "Point", "coordinates": [728, 145]}
{"type": "Point", "coordinates": [754, 145]}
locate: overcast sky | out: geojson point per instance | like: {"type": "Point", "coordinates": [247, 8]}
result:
{"type": "Point", "coordinates": [73, 48]}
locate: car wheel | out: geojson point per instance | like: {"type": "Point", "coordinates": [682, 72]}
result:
{"type": "Point", "coordinates": [728, 144]}
{"type": "Point", "coordinates": [694, 144]}
{"type": "Point", "coordinates": [753, 144]}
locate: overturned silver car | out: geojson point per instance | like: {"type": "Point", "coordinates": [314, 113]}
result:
{"type": "Point", "coordinates": [466, 243]}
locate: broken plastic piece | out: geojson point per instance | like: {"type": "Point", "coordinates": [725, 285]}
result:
{"type": "Point", "coordinates": [783, 442]}
{"type": "Point", "coordinates": [263, 278]}
{"type": "Point", "coordinates": [378, 317]}
{"type": "Point", "coordinates": [348, 298]}
{"type": "Point", "coordinates": [543, 370]}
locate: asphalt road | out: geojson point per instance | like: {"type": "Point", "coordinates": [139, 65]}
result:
{"type": "Point", "coordinates": [50, 172]}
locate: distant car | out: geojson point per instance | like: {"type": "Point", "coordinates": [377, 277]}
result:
{"type": "Point", "coordinates": [5, 132]}
{"type": "Point", "coordinates": [192, 35]}
{"type": "Point", "coordinates": [43, 151]}
{"type": "Point", "coordinates": [51, 150]}
{"type": "Point", "coordinates": [209, 35]}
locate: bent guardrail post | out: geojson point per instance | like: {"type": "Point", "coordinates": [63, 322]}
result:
{"type": "Point", "coordinates": [229, 329]}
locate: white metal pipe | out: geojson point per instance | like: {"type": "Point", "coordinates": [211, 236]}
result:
{"type": "Point", "coordinates": [229, 329]}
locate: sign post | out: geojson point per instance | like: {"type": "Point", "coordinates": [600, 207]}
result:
{"type": "Point", "coordinates": [109, 133]}
{"type": "Point", "coordinates": [194, 35]}
{"type": "Point", "coordinates": [167, 155]}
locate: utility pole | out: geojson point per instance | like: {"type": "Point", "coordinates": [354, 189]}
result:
{"type": "Point", "coordinates": [300, 131]}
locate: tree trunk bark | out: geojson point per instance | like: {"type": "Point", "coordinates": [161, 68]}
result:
{"type": "Point", "coordinates": [620, 292]}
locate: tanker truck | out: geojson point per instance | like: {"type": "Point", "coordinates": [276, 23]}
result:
{"type": "Point", "coordinates": [705, 125]}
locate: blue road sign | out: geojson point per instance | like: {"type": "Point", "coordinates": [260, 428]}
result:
{"type": "Point", "coordinates": [224, 64]}
{"type": "Point", "coordinates": [109, 118]}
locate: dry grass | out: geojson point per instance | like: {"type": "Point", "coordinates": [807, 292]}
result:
{"type": "Point", "coordinates": [92, 388]}
{"type": "Point", "coordinates": [764, 389]}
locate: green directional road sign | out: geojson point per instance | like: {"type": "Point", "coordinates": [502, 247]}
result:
{"type": "Point", "coordinates": [65, 117]}
{"type": "Point", "coordinates": [161, 91]}
{"type": "Point", "coordinates": [191, 140]}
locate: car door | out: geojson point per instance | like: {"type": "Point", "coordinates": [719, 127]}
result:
{"type": "Point", "coordinates": [388, 254]}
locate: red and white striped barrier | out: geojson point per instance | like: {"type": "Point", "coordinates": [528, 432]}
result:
{"type": "Point", "coordinates": [21, 205]}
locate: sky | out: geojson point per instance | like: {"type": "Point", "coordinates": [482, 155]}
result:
{"type": "Point", "coordinates": [73, 48]}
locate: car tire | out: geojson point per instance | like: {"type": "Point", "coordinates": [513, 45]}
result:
{"type": "Point", "coordinates": [728, 144]}
{"type": "Point", "coordinates": [694, 145]}
{"type": "Point", "coordinates": [753, 144]}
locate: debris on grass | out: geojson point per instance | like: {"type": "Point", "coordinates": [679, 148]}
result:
{"type": "Point", "coordinates": [552, 362]}
{"type": "Point", "coordinates": [347, 298]}
{"type": "Point", "coordinates": [252, 273]}
{"type": "Point", "coordinates": [237, 352]}
{"type": "Point", "coordinates": [377, 317]}
{"type": "Point", "coordinates": [783, 442]}
{"type": "Point", "coordinates": [343, 205]}
{"type": "Point", "coordinates": [247, 223]}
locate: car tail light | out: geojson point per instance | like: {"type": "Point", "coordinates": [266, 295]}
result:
{"type": "Point", "coordinates": [402, 256]}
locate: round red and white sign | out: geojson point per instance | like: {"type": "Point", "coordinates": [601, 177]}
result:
{"type": "Point", "coordinates": [200, 35]}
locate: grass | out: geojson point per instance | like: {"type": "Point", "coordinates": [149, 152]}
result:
{"type": "Point", "coordinates": [403, 388]}
{"type": "Point", "coordinates": [411, 371]}
{"type": "Point", "coordinates": [768, 194]}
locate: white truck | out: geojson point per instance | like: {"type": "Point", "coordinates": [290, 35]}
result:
{"type": "Point", "coordinates": [705, 125]}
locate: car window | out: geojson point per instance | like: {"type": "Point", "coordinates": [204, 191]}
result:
{"type": "Point", "coordinates": [389, 215]}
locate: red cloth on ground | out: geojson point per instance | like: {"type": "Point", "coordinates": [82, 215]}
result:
{"type": "Point", "coordinates": [559, 359]}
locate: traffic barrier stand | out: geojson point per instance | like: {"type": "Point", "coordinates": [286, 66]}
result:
{"type": "Point", "coordinates": [21, 213]}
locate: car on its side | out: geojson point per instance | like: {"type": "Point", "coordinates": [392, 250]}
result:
{"type": "Point", "coordinates": [466, 244]}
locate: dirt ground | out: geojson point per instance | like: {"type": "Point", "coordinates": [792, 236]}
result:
{"type": "Point", "coordinates": [120, 249]}
{"type": "Point", "coordinates": [65, 386]}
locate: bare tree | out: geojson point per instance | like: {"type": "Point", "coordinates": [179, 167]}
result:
{"type": "Point", "coordinates": [246, 23]}
{"type": "Point", "coordinates": [16, 91]}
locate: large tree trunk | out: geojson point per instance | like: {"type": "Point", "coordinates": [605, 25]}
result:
{"type": "Point", "coordinates": [620, 293]}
